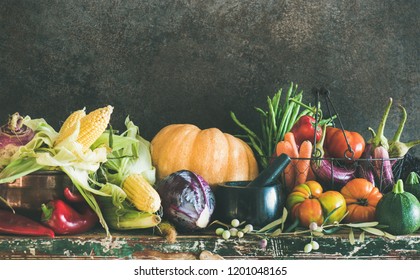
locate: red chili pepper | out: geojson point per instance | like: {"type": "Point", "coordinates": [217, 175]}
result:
{"type": "Point", "coordinates": [64, 219]}
{"type": "Point", "coordinates": [12, 223]}
{"type": "Point", "coordinates": [73, 197]}
{"type": "Point", "coordinates": [304, 129]}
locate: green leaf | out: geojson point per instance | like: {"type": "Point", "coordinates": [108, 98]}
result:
{"type": "Point", "coordinates": [330, 214]}
{"type": "Point", "coordinates": [362, 237]}
{"type": "Point", "coordinates": [390, 236]}
{"type": "Point", "coordinates": [293, 226]}
{"type": "Point", "coordinates": [271, 225]}
{"type": "Point", "coordinates": [360, 225]}
{"type": "Point", "coordinates": [374, 231]}
{"type": "Point", "coordinates": [275, 233]}
{"type": "Point", "coordinates": [19, 168]}
{"type": "Point", "coordinates": [332, 230]}
{"type": "Point", "coordinates": [351, 237]}
{"type": "Point", "coordinates": [284, 217]}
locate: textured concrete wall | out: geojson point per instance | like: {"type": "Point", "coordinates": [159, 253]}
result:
{"type": "Point", "coordinates": [189, 61]}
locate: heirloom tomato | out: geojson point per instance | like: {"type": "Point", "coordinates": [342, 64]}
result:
{"type": "Point", "coordinates": [308, 203]}
{"type": "Point", "coordinates": [361, 198]}
{"type": "Point", "coordinates": [336, 144]}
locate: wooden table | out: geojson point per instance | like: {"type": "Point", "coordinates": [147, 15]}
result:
{"type": "Point", "coordinates": [143, 244]}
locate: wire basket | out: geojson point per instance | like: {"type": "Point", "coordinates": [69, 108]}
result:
{"type": "Point", "coordinates": [334, 173]}
{"type": "Point", "coordinates": [340, 171]}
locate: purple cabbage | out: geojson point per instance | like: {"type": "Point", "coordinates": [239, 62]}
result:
{"type": "Point", "coordinates": [187, 200]}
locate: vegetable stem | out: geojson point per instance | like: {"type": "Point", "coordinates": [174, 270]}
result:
{"type": "Point", "coordinates": [400, 129]}
{"type": "Point", "coordinates": [380, 139]}
{"type": "Point", "coordinates": [398, 187]}
{"type": "Point", "coordinates": [244, 127]}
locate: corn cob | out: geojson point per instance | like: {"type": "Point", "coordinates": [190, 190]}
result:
{"type": "Point", "coordinates": [69, 125]}
{"type": "Point", "coordinates": [127, 219]}
{"type": "Point", "coordinates": [93, 125]}
{"type": "Point", "coordinates": [141, 193]}
{"type": "Point", "coordinates": [132, 219]}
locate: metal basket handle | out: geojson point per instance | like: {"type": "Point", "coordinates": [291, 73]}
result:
{"type": "Point", "coordinates": [326, 93]}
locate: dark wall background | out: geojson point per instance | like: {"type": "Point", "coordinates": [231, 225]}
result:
{"type": "Point", "coordinates": [186, 61]}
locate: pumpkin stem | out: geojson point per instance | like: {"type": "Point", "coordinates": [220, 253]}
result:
{"type": "Point", "coordinates": [398, 187]}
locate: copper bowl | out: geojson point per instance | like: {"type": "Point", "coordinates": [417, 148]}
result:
{"type": "Point", "coordinates": [26, 194]}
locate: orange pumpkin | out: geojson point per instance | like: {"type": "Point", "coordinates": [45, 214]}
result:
{"type": "Point", "coordinates": [216, 156]}
{"type": "Point", "coordinates": [361, 198]}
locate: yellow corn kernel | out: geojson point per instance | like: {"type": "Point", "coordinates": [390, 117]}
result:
{"type": "Point", "coordinates": [69, 125]}
{"type": "Point", "coordinates": [93, 125]}
{"type": "Point", "coordinates": [141, 193]}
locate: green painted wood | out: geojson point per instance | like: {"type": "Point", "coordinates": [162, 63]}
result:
{"type": "Point", "coordinates": [145, 245]}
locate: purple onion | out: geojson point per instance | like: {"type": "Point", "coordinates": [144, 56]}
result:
{"type": "Point", "coordinates": [187, 200]}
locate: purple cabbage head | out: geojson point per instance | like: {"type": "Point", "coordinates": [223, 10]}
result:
{"type": "Point", "coordinates": [187, 200]}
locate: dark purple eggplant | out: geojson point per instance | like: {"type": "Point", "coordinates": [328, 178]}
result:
{"type": "Point", "coordinates": [330, 175]}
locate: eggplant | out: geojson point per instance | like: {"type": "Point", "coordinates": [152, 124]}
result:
{"type": "Point", "coordinates": [332, 177]}
{"type": "Point", "coordinates": [383, 169]}
{"type": "Point", "coordinates": [365, 167]}
{"type": "Point", "coordinates": [327, 171]}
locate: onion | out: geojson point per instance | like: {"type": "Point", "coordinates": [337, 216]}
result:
{"type": "Point", "coordinates": [13, 135]}
{"type": "Point", "coordinates": [187, 200]}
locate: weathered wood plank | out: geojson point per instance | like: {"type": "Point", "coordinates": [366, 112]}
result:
{"type": "Point", "coordinates": [145, 245]}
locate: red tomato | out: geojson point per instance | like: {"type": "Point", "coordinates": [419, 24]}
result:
{"type": "Point", "coordinates": [336, 146]}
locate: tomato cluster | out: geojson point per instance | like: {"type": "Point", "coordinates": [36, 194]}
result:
{"type": "Point", "coordinates": [355, 202]}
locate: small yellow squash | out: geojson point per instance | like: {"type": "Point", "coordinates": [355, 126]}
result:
{"type": "Point", "coordinates": [216, 156]}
